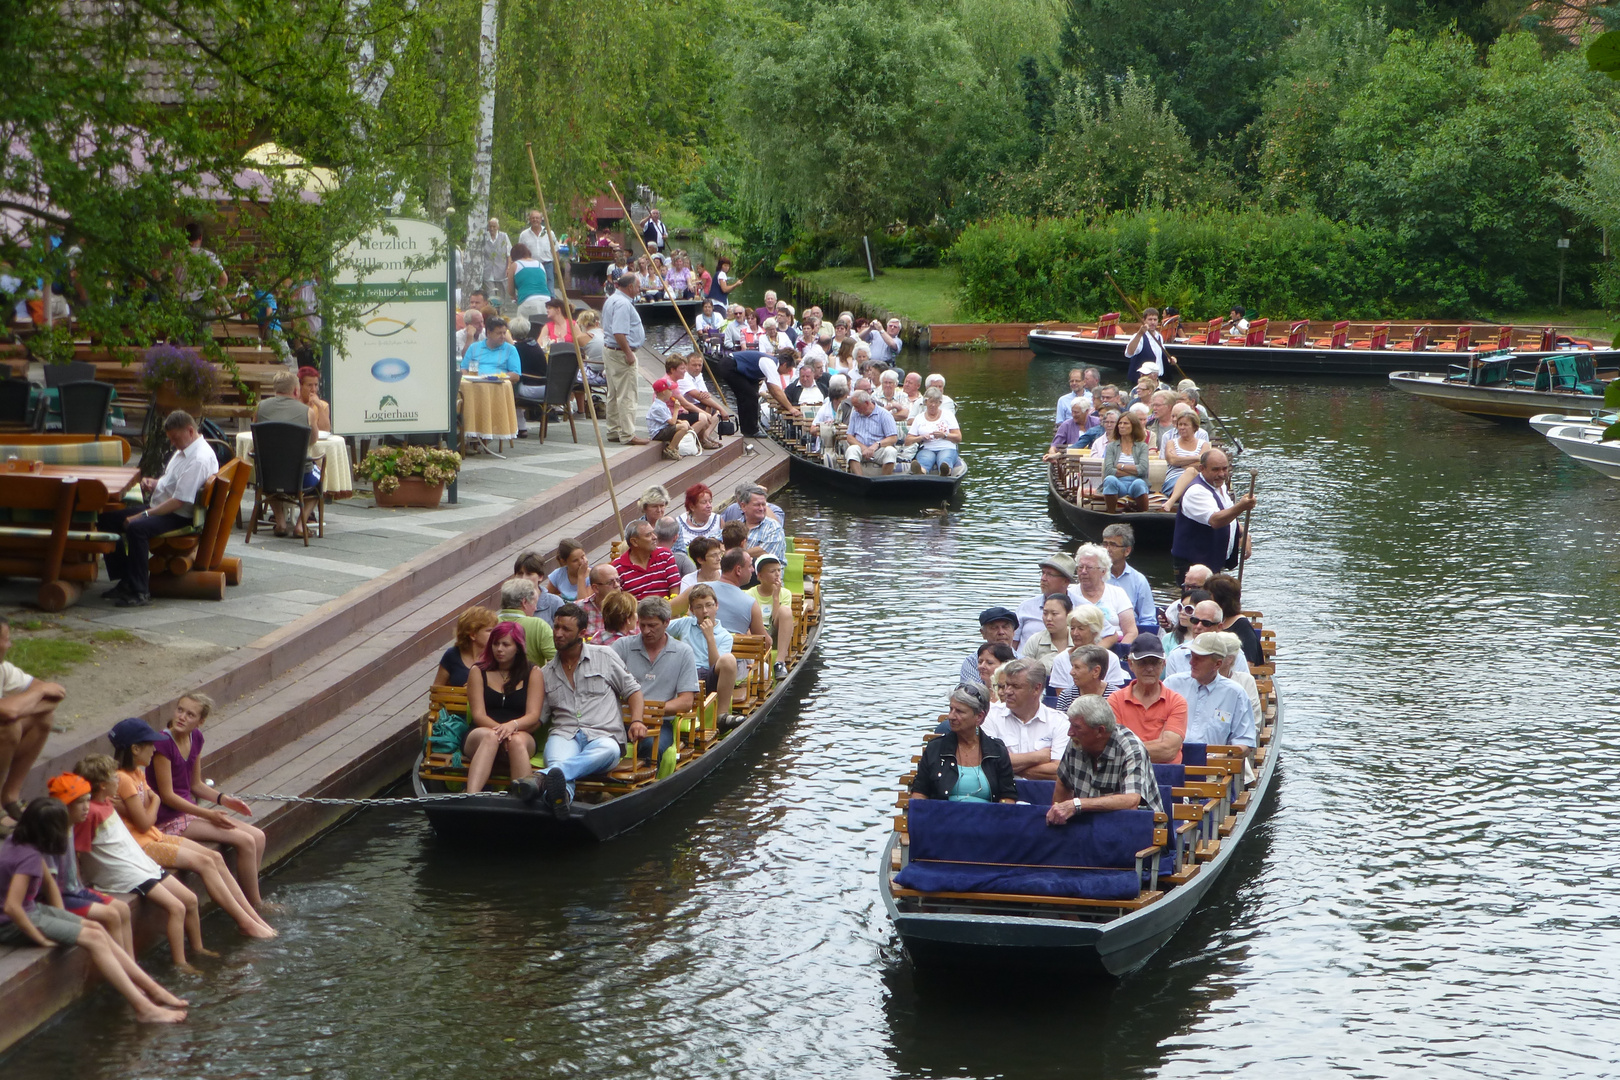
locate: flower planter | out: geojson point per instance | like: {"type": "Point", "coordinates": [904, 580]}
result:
{"type": "Point", "coordinates": [167, 401]}
{"type": "Point", "coordinates": [412, 491]}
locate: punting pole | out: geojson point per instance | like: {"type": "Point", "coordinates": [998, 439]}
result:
{"type": "Point", "coordinates": [678, 314]}
{"type": "Point", "coordinates": [1136, 311]}
{"type": "Point", "coordinates": [750, 270]}
{"type": "Point", "coordinates": [562, 287]}
{"type": "Point", "coordinates": [1243, 552]}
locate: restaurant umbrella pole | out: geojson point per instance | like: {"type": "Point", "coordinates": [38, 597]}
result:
{"type": "Point", "coordinates": [719, 387]}
{"type": "Point", "coordinates": [584, 377]}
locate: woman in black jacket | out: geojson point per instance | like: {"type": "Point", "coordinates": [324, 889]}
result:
{"type": "Point", "coordinates": [966, 765]}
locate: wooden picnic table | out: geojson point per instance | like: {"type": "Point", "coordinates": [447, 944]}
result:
{"type": "Point", "coordinates": [116, 478]}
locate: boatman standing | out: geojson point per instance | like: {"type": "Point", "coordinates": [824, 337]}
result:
{"type": "Point", "coordinates": [1207, 529]}
{"type": "Point", "coordinates": [621, 322]}
{"type": "Point", "coordinates": [1147, 344]}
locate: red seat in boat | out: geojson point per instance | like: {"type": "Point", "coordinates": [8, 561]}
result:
{"type": "Point", "coordinates": [1341, 332]}
{"type": "Point", "coordinates": [1379, 339]}
{"type": "Point", "coordinates": [1419, 342]}
{"type": "Point", "coordinates": [1464, 332]}
{"type": "Point", "coordinates": [1296, 336]}
{"type": "Point", "coordinates": [1212, 332]}
{"type": "Point", "coordinates": [1107, 327]}
{"type": "Point", "coordinates": [1257, 333]}
{"type": "Point", "coordinates": [1170, 328]}
{"type": "Point", "coordinates": [1504, 338]}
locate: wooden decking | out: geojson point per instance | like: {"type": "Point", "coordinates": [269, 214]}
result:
{"type": "Point", "coordinates": [329, 704]}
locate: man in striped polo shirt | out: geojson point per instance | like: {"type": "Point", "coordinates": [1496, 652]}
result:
{"type": "Point", "coordinates": [646, 569]}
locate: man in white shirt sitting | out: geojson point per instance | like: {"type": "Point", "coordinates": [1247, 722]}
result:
{"type": "Point", "coordinates": [171, 500]}
{"type": "Point", "coordinates": [1036, 735]}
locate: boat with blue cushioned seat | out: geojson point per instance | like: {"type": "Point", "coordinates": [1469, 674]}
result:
{"type": "Point", "coordinates": [1009, 901]}
{"type": "Point", "coordinates": [1516, 386]}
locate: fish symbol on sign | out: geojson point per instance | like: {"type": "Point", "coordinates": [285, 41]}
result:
{"type": "Point", "coordinates": [399, 326]}
{"type": "Point", "coordinates": [390, 369]}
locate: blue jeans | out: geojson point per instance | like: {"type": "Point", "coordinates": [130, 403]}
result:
{"type": "Point", "coordinates": [933, 459]}
{"type": "Point", "coordinates": [1170, 478]}
{"type": "Point", "coordinates": [1129, 486]}
{"type": "Point", "coordinates": [580, 755]}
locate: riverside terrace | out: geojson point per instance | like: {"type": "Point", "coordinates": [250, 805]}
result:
{"type": "Point", "coordinates": [328, 702]}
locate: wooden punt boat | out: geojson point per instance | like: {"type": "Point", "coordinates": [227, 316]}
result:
{"type": "Point", "coordinates": [1061, 935]}
{"type": "Point", "coordinates": [1584, 443]}
{"type": "Point", "coordinates": [1074, 499]}
{"type": "Point", "coordinates": [807, 467]}
{"type": "Point", "coordinates": [1306, 348]}
{"type": "Point", "coordinates": [1516, 386]}
{"type": "Point", "coordinates": [655, 311]}
{"type": "Point", "coordinates": [631, 792]}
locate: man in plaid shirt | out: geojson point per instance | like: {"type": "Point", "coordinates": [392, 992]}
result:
{"type": "Point", "coordinates": [1105, 768]}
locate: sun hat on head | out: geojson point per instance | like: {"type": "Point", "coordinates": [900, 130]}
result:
{"type": "Point", "coordinates": [1209, 644]}
{"type": "Point", "coordinates": [1063, 564]}
{"type": "Point", "coordinates": [67, 787]}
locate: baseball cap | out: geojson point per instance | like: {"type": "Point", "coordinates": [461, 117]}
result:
{"type": "Point", "coordinates": [997, 614]}
{"type": "Point", "coordinates": [1149, 368]}
{"type": "Point", "coordinates": [660, 385]}
{"type": "Point", "coordinates": [1211, 644]}
{"type": "Point", "coordinates": [1146, 646]}
{"type": "Point", "coordinates": [131, 731]}
{"type": "Point", "coordinates": [765, 558]}
{"type": "Point", "coordinates": [66, 787]}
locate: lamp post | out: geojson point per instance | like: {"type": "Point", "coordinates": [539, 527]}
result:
{"type": "Point", "coordinates": [1563, 253]}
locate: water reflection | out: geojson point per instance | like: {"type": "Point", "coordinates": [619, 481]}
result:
{"type": "Point", "coordinates": [1429, 896]}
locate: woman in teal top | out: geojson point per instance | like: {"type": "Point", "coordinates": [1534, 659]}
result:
{"type": "Point", "coordinates": [525, 277]}
{"type": "Point", "coordinates": [966, 765]}
{"type": "Point", "coordinates": [1125, 462]}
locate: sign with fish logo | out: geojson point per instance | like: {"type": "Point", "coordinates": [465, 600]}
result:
{"type": "Point", "coordinates": [394, 374]}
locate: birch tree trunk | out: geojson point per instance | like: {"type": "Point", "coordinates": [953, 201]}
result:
{"type": "Point", "coordinates": [483, 156]}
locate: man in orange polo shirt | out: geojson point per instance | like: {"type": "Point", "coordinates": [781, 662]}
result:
{"type": "Point", "coordinates": [1157, 714]}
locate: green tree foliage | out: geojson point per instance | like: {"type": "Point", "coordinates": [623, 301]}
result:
{"type": "Point", "coordinates": [128, 121]}
{"type": "Point", "coordinates": [1209, 59]}
{"type": "Point", "coordinates": [627, 90]}
{"type": "Point", "coordinates": [1320, 67]}
{"type": "Point", "coordinates": [1124, 149]}
{"type": "Point", "coordinates": [868, 113]}
{"type": "Point", "coordinates": [1463, 160]}
{"type": "Point", "coordinates": [1594, 196]}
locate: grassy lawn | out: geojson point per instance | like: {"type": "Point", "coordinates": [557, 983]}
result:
{"type": "Point", "coordinates": [926, 295]}
{"type": "Point", "coordinates": [45, 649]}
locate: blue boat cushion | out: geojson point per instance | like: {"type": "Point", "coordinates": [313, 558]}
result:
{"type": "Point", "coordinates": [1009, 848]}
{"type": "Point", "coordinates": [1170, 775]}
{"type": "Point", "coordinates": [1037, 792]}
{"type": "Point", "coordinates": [1194, 753]}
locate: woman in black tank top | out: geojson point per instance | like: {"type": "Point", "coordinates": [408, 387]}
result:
{"type": "Point", "coordinates": [504, 694]}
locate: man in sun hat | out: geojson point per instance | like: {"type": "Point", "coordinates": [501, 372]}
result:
{"type": "Point", "coordinates": [1218, 709]}
{"type": "Point", "coordinates": [1058, 574]}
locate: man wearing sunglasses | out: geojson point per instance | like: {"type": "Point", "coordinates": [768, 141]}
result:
{"type": "Point", "coordinates": [1206, 618]}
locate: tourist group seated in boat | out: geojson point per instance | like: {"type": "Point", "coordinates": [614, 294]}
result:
{"type": "Point", "coordinates": [1155, 432]}
{"type": "Point", "coordinates": [589, 668]}
{"type": "Point", "coordinates": [1140, 727]}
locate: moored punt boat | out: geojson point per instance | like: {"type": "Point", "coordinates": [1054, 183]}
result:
{"type": "Point", "coordinates": [806, 466]}
{"type": "Point", "coordinates": [1150, 891]}
{"type": "Point", "coordinates": [1515, 386]}
{"type": "Point", "coordinates": [1075, 500]}
{"type": "Point", "coordinates": [1307, 348]}
{"type": "Point", "coordinates": [1545, 422]}
{"type": "Point", "coordinates": [656, 311]}
{"type": "Point", "coordinates": [1584, 443]}
{"type": "Point", "coordinates": [632, 791]}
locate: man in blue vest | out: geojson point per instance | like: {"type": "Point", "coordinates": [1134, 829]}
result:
{"type": "Point", "coordinates": [1207, 529]}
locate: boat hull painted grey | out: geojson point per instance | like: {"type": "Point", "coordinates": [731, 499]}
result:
{"type": "Point", "coordinates": [1491, 402]}
{"type": "Point", "coordinates": [1580, 442]}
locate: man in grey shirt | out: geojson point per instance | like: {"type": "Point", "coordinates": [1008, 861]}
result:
{"type": "Point", "coordinates": [584, 684]}
{"type": "Point", "coordinates": [665, 668]}
{"type": "Point", "coordinates": [621, 323]}
{"type": "Point", "coordinates": [284, 406]}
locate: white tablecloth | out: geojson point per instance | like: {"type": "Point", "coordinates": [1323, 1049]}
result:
{"type": "Point", "coordinates": [337, 477]}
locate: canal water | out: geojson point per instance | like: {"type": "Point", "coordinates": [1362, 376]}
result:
{"type": "Point", "coordinates": [1430, 895]}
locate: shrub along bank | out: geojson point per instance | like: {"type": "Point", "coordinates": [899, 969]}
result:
{"type": "Point", "coordinates": [1294, 263]}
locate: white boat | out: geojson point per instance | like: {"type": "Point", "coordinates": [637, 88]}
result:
{"type": "Point", "coordinates": [1545, 422]}
{"type": "Point", "coordinates": [1584, 443]}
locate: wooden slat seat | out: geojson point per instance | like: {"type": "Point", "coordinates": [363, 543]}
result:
{"type": "Point", "coordinates": [1142, 901]}
{"type": "Point", "coordinates": [59, 544]}
{"type": "Point", "coordinates": [191, 562]}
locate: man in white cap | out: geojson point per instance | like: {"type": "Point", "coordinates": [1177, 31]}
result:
{"type": "Point", "coordinates": [1205, 617]}
{"type": "Point", "coordinates": [1218, 711]}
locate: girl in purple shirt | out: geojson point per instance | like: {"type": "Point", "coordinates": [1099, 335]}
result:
{"type": "Point", "coordinates": [190, 808]}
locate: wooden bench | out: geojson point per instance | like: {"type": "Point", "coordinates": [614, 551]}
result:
{"type": "Point", "coordinates": [191, 563]}
{"type": "Point", "coordinates": [50, 533]}
{"type": "Point", "coordinates": [59, 449]}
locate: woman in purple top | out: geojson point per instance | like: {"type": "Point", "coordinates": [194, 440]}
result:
{"type": "Point", "coordinates": [45, 831]}
{"type": "Point", "coordinates": [190, 808]}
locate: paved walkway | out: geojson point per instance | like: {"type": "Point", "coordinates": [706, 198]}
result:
{"type": "Point", "coordinates": [282, 579]}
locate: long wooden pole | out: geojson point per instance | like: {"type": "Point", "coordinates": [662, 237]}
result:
{"type": "Point", "coordinates": [646, 251]}
{"type": "Point", "coordinates": [750, 270]}
{"type": "Point", "coordinates": [584, 377]}
{"type": "Point", "coordinates": [1237, 443]}
{"type": "Point", "coordinates": [1243, 552]}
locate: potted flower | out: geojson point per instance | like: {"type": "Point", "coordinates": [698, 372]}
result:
{"type": "Point", "coordinates": [179, 378]}
{"type": "Point", "coordinates": [409, 475]}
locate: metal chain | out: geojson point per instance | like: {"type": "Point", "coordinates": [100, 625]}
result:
{"type": "Point", "coordinates": [412, 801]}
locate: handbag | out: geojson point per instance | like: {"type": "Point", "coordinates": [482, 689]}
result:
{"type": "Point", "coordinates": [688, 446]}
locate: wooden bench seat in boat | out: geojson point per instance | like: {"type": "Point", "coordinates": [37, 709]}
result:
{"type": "Point", "coordinates": [1007, 852]}
{"type": "Point", "coordinates": [1085, 472]}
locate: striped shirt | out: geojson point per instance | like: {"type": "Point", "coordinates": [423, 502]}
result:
{"type": "Point", "coordinates": [660, 577]}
